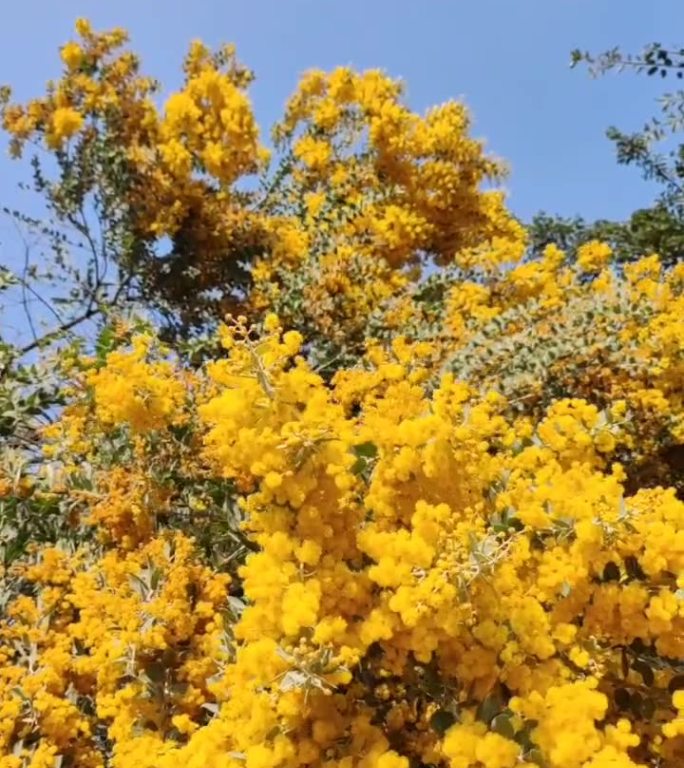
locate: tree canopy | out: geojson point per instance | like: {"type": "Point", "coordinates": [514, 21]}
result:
{"type": "Point", "coordinates": [355, 471]}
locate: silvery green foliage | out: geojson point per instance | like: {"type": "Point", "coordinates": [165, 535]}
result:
{"type": "Point", "coordinates": [530, 353]}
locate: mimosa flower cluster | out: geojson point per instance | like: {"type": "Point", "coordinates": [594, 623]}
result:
{"type": "Point", "coordinates": [459, 544]}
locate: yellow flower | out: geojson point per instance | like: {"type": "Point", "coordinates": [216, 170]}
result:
{"type": "Point", "coordinates": [314, 153]}
{"type": "Point", "coordinates": [83, 27]}
{"type": "Point", "coordinates": [66, 122]}
{"type": "Point", "coordinates": [593, 256]}
{"type": "Point", "coordinates": [72, 55]}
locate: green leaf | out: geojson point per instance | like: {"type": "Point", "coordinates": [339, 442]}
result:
{"type": "Point", "coordinates": [156, 672]}
{"type": "Point", "coordinates": [441, 721]}
{"type": "Point", "coordinates": [645, 671]}
{"type": "Point", "coordinates": [502, 725]}
{"type": "Point", "coordinates": [105, 343]}
{"type": "Point", "coordinates": [524, 737]}
{"type": "Point", "coordinates": [637, 704]}
{"type": "Point", "coordinates": [535, 756]}
{"type": "Point", "coordinates": [359, 466]}
{"type": "Point", "coordinates": [489, 708]}
{"type": "Point", "coordinates": [366, 450]}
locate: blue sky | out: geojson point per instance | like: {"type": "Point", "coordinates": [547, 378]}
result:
{"type": "Point", "coordinates": [508, 59]}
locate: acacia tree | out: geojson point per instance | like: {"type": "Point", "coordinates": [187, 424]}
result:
{"type": "Point", "coordinates": [154, 192]}
{"type": "Point", "coordinates": [463, 547]}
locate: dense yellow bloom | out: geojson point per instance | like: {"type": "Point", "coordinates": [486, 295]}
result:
{"type": "Point", "coordinates": [312, 152]}
{"type": "Point", "coordinates": [464, 549]}
{"type": "Point", "coordinates": [386, 189]}
{"type": "Point", "coordinates": [420, 530]}
{"type": "Point", "coordinates": [593, 256]}
{"type": "Point", "coordinates": [72, 55]}
{"type": "Point", "coordinates": [65, 123]}
{"type": "Point", "coordinates": [181, 160]}
{"type": "Point", "coordinates": [145, 395]}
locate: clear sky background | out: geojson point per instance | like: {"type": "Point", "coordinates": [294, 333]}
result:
{"type": "Point", "coordinates": [508, 59]}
